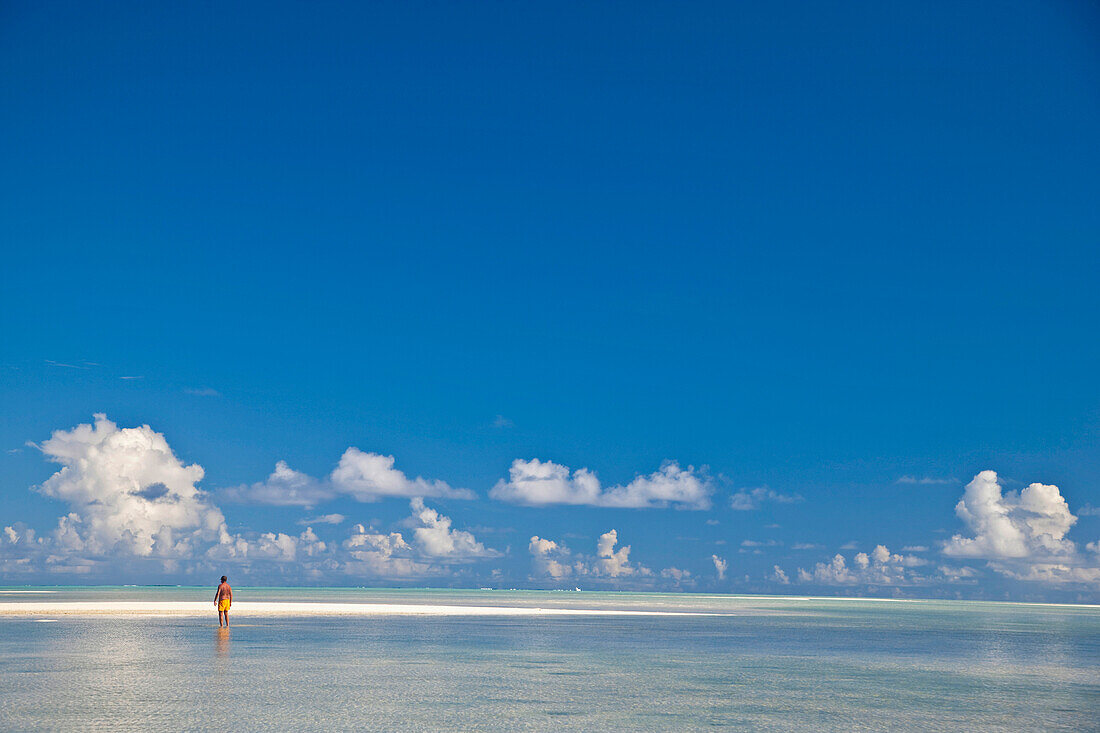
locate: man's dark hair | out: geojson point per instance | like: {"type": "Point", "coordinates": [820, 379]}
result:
{"type": "Point", "coordinates": [224, 578]}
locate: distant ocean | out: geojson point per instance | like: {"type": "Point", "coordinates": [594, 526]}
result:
{"type": "Point", "coordinates": [767, 663]}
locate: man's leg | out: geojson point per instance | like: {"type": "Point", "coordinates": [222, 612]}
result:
{"type": "Point", "coordinates": [227, 619]}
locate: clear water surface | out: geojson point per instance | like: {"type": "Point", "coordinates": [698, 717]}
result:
{"type": "Point", "coordinates": [773, 663]}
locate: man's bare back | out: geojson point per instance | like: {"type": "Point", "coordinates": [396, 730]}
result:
{"type": "Point", "coordinates": [223, 598]}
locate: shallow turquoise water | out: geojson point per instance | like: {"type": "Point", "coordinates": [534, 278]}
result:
{"type": "Point", "coordinates": [775, 664]}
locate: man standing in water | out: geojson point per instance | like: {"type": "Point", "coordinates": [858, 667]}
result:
{"type": "Point", "coordinates": [223, 599]}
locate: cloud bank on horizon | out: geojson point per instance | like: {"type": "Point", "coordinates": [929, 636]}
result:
{"type": "Point", "coordinates": [133, 504]}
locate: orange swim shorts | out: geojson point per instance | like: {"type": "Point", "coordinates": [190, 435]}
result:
{"type": "Point", "coordinates": [223, 604]}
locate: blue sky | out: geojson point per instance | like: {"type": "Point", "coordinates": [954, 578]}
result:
{"type": "Point", "coordinates": [836, 259]}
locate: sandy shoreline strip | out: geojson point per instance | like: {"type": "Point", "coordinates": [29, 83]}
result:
{"type": "Point", "coordinates": [245, 608]}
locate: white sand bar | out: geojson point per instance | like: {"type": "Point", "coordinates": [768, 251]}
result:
{"type": "Point", "coordinates": [245, 608]}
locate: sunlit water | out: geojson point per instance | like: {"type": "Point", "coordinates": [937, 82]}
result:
{"type": "Point", "coordinates": [773, 664]}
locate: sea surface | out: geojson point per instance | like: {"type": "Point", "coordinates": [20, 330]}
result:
{"type": "Point", "coordinates": [763, 664]}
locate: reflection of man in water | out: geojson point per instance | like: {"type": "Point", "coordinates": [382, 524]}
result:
{"type": "Point", "coordinates": [223, 599]}
{"type": "Point", "coordinates": [221, 642]}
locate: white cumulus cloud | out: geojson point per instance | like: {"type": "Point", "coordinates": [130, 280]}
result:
{"type": "Point", "coordinates": [436, 539]}
{"type": "Point", "coordinates": [379, 554]}
{"type": "Point", "coordinates": [365, 477]}
{"type": "Point", "coordinates": [435, 545]}
{"type": "Point", "coordinates": [284, 487]}
{"type": "Point", "coordinates": [286, 548]}
{"type": "Point", "coordinates": [1022, 534]}
{"type": "Point", "coordinates": [128, 494]}
{"type": "Point", "coordinates": [611, 561]}
{"type": "Point", "coordinates": [371, 476]}
{"type": "Point", "coordinates": [549, 558]}
{"type": "Point", "coordinates": [134, 506]}
{"type": "Point", "coordinates": [880, 567]}
{"type": "Point", "coordinates": [539, 483]}
{"type": "Point", "coordinates": [1031, 523]}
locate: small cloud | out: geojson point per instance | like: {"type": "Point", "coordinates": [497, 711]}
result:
{"type": "Point", "coordinates": [771, 526]}
{"type": "Point", "coordinates": [15, 450]}
{"type": "Point", "coordinates": [747, 500]}
{"type": "Point", "coordinates": [712, 522]}
{"type": "Point", "coordinates": [322, 519]}
{"type": "Point", "coordinates": [500, 422]}
{"type": "Point", "coordinates": [805, 546]}
{"type": "Point", "coordinates": [914, 548]}
{"type": "Point", "coordinates": [677, 575]}
{"type": "Point", "coordinates": [767, 543]}
{"type": "Point", "coordinates": [203, 392]}
{"type": "Point", "coordinates": [958, 575]}
{"type": "Point", "coordinates": [127, 378]}
{"type": "Point", "coordinates": [779, 576]}
{"type": "Point", "coordinates": [1088, 510]}
{"type": "Point", "coordinates": [720, 566]}
{"type": "Point", "coordinates": [850, 545]}
{"type": "Point", "coordinates": [926, 480]}
{"type": "Point", "coordinates": [284, 487]}
{"type": "Point", "coordinates": [63, 365]}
